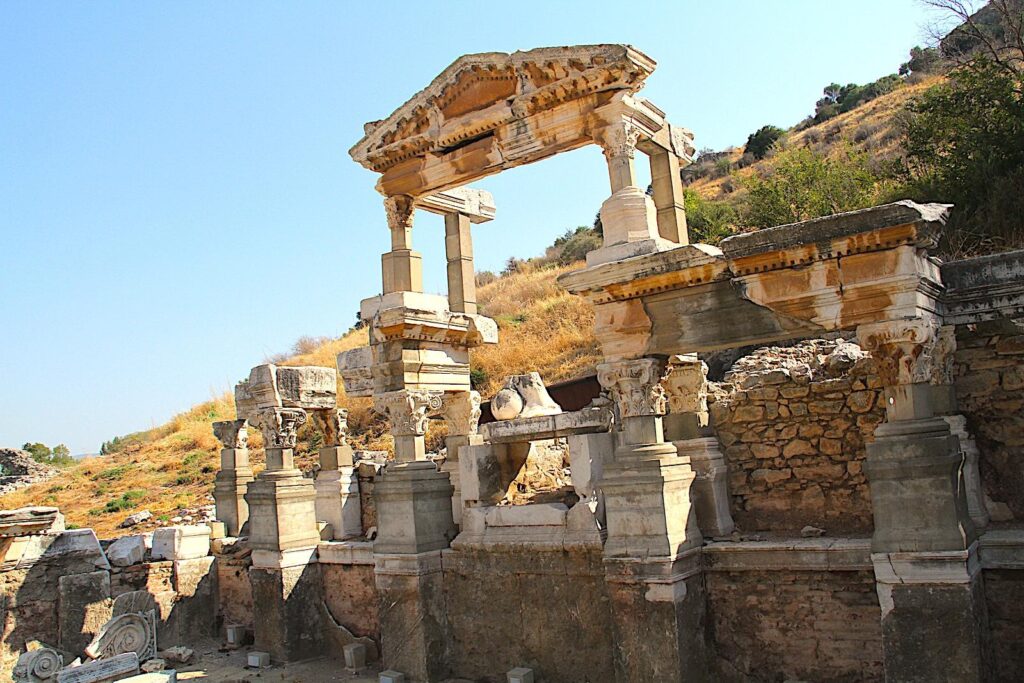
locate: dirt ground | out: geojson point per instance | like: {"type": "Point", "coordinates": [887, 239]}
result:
{"type": "Point", "coordinates": [212, 665]}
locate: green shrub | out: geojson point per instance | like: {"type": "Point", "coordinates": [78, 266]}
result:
{"type": "Point", "coordinates": [127, 501]}
{"type": "Point", "coordinates": [708, 221]}
{"type": "Point", "coordinates": [762, 140]}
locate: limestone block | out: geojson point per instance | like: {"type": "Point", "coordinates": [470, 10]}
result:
{"type": "Point", "coordinates": [83, 607]}
{"type": "Point", "coordinates": [270, 386]}
{"type": "Point", "coordinates": [520, 674]}
{"type": "Point", "coordinates": [414, 509]}
{"type": "Point", "coordinates": [181, 542]}
{"type": "Point", "coordinates": [486, 470]}
{"type": "Point", "coordinates": [102, 670]}
{"type": "Point", "coordinates": [541, 427]}
{"type": "Point", "coordinates": [127, 550]}
{"type": "Point", "coordinates": [478, 205]}
{"type": "Point", "coordinates": [282, 514]}
{"type": "Point", "coordinates": [390, 676]}
{"type": "Point", "coordinates": [77, 550]}
{"type": "Point", "coordinates": [355, 656]}
{"type": "Point", "coordinates": [337, 502]}
{"type": "Point", "coordinates": [30, 520]}
{"type": "Point", "coordinates": [356, 369]}
{"type": "Point", "coordinates": [537, 514]}
{"type": "Point", "coordinates": [257, 659]}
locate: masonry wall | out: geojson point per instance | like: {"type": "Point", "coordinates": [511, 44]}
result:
{"type": "Point", "coordinates": [350, 593]}
{"type": "Point", "coordinates": [547, 610]}
{"type": "Point", "coordinates": [792, 423]}
{"type": "Point", "coordinates": [990, 393]}
{"type": "Point", "coordinates": [1004, 597]}
{"type": "Point", "coordinates": [795, 625]}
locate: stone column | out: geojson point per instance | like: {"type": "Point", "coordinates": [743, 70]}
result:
{"type": "Point", "coordinates": [402, 267]}
{"type": "Point", "coordinates": [458, 247]}
{"type": "Point", "coordinates": [461, 412]}
{"type": "Point", "coordinates": [924, 547]}
{"type": "Point", "coordinates": [414, 518]}
{"type": "Point", "coordinates": [233, 479]}
{"type": "Point", "coordinates": [687, 426]}
{"type": "Point", "coordinates": [668, 196]}
{"type": "Point", "coordinates": [337, 486]}
{"type": "Point", "coordinates": [652, 560]}
{"type": "Point", "coordinates": [283, 536]}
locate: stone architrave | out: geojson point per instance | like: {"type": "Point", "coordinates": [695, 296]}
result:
{"type": "Point", "coordinates": [129, 632]}
{"type": "Point", "coordinates": [102, 670]}
{"type": "Point", "coordinates": [38, 666]}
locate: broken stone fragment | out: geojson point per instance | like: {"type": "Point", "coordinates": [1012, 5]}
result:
{"type": "Point", "coordinates": [135, 519]}
{"type": "Point", "coordinates": [126, 551]}
{"type": "Point", "coordinates": [523, 396]}
{"type": "Point", "coordinates": [39, 665]}
{"type": "Point", "coordinates": [178, 654]}
{"type": "Point", "coordinates": [181, 542]}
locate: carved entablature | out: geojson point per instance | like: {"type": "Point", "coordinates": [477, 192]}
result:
{"type": "Point", "coordinates": [910, 351]}
{"type": "Point", "coordinates": [492, 111]}
{"type": "Point", "coordinates": [231, 433]}
{"type": "Point", "coordinates": [408, 410]}
{"type": "Point", "coordinates": [280, 426]}
{"type": "Point", "coordinates": [686, 385]}
{"type": "Point", "coordinates": [461, 410]}
{"type": "Point", "coordinates": [635, 386]}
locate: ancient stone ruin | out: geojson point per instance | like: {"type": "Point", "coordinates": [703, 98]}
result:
{"type": "Point", "coordinates": [843, 508]}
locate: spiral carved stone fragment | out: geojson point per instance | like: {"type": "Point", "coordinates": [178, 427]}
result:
{"type": "Point", "coordinates": [132, 632]}
{"type": "Point", "coordinates": [38, 666]}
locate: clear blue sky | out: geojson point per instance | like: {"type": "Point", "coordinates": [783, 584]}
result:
{"type": "Point", "coordinates": [177, 201]}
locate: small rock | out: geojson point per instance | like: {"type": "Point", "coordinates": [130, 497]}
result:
{"type": "Point", "coordinates": [154, 665]}
{"type": "Point", "coordinates": [811, 532]}
{"type": "Point", "coordinates": [178, 654]}
{"type": "Point", "coordinates": [135, 518]}
{"type": "Point", "coordinates": [126, 551]}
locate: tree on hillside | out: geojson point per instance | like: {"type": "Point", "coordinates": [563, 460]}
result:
{"type": "Point", "coordinates": [761, 141]}
{"type": "Point", "coordinates": [965, 138]}
{"type": "Point", "coordinates": [802, 184]}
{"type": "Point", "coordinates": [923, 60]}
{"type": "Point", "coordinates": [59, 456]}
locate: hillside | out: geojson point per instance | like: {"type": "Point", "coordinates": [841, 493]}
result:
{"type": "Point", "coordinates": [170, 469]}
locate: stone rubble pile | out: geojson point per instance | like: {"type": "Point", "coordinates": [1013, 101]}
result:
{"type": "Point", "coordinates": [18, 470]}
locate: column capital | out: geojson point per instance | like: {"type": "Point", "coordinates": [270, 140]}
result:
{"type": "Point", "coordinates": [408, 409]}
{"type": "Point", "coordinates": [280, 426]}
{"type": "Point", "coordinates": [231, 433]}
{"type": "Point", "coordinates": [635, 386]}
{"type": "Point", "coordinates": [399, 209]}
{"type": "Point", "coordinates": [618, 139]}
{"type": "Point", "coordinates": [462, 412]}
{"type": "Point", "coordinates": [686, 384]}
{"type": "Point", "coordinates": [334, 425]}
{"type": "Point", "coordinates": [910, 351]}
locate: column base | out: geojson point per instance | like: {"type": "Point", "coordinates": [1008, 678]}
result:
{"type": "Point", "coordinates": [647, 503]}
{"type": "Point", "coordinates": [414, 509]}
{"type": "Point", "coordinates": [413, 621]}
{"type": "Point", "coordinates": [914, 468]}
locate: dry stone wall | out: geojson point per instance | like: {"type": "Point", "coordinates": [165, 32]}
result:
{"type": "Point", "coordinates": [990, 392]}
{"type": "Point", "coordinates": [792, 423]}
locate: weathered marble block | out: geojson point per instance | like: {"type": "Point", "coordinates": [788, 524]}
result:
{"type": "Point", "coordinates": [270, 386]}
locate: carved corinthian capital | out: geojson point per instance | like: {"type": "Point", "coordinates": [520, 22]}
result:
{"type": "Point", "coordinates": [333, 424]}
{"type": "Point", "coordinates": [462, 412]}
{"type": "Point", "coordinates": [686, 385]}
{"type": "Point", "coordinates": [280, 426]}
{"type": "Point", "coordinates": [910, 351]}
{"type": "Point", "coordinates": [618, 140]}
{"type": "Point", "coordinates": [408, 409]}
{"type": "Point", "coordinates": [635, 386]}
{"type": "Point", "coordinates": [399, 210]}
{"type": "Point", "coordinates": [231, 433]}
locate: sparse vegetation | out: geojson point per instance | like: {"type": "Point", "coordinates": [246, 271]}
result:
{"type": "Point", "coordinates": [58, 456]}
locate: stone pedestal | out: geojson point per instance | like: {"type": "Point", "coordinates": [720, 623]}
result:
{"type": "Point", "coordinates": [659, 614]}
{"type": "Point", "coordinates": [414, 516]}
{"type": "Point", "coordinates": [337, 502]}
{"type": "Point", "coordinates": [710, 493]}
{"type": "Point", "coordinates": [282, 514]}
{"type": "Point", "coordinates": [413, 619]}
{"type": "Point", "coordinates": [286, 611]}
{"type": "Point", "coordinates": [231, 482]}
{"type": "Point", "coordinates": [414, 509]}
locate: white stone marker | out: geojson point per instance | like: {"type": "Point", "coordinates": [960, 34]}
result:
{"type": "Point", "coordinates": [181, 542]}
{"type": "Point", "coordinates": [520, 674]}
{"type": "Point", "coordinates": [355, 656]}
{"type": "Point", "coordinates": [235, 635]}
{"type": "Point", "coordinates": [102, 670]}
{"type": "Point", "coordinates": [258, 660]}
{"type": "Point", "coordinates": [390, 676]}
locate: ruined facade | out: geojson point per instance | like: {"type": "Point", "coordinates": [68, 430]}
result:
{"type": "Point", "coordinates": [843, 509]}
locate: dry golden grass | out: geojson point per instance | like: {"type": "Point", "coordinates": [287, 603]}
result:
{"type": "Point", "coordinates": [873, 127]}
{"type": "Point", "coordinates": [171, 467]}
